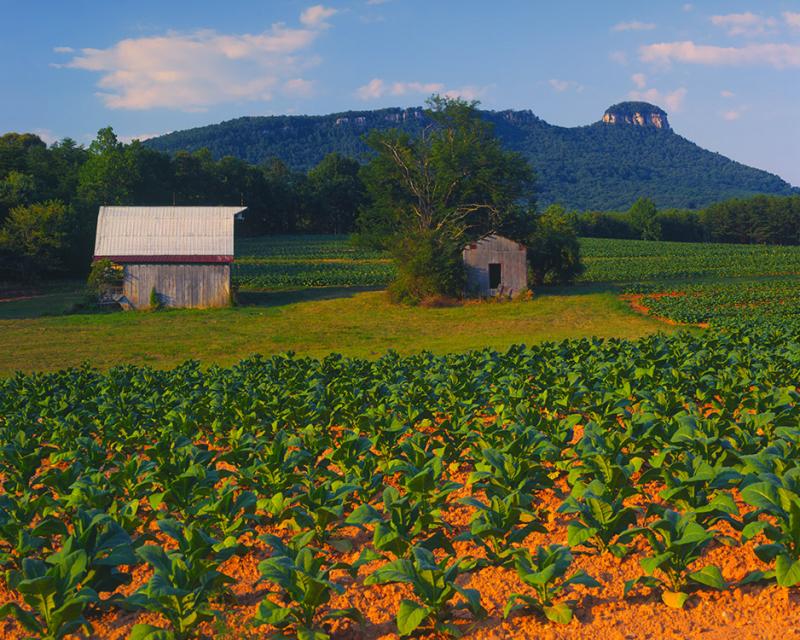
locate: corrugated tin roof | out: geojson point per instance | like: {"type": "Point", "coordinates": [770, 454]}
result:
{"type": "Point", "coordinates": [165, 231]}
{"type": "Point", "coordinates": [497, 241]}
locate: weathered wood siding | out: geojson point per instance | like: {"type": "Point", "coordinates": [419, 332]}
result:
{"type": "Point", "coordinates": [510, 255]}
{"type": "Point", "coordinates": [177, 285]}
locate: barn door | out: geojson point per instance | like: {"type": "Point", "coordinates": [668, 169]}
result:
{"type": "Point", "coordinates": [495, 275]}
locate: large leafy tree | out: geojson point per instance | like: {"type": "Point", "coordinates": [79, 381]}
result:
{"type": "Point", "coordinates": [33, 240]}
{"type": "Point", "coordinates": [433, 193]}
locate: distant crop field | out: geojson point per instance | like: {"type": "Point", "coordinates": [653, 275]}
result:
{"type": "Point", "coordinates": [296, 262]}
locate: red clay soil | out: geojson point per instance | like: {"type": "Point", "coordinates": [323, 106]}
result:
{"type": "Point", "coordinates": [753, 611]}
{"type": "Point", "coordinates": [635, 302]}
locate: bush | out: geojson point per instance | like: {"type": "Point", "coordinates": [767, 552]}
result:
{"type": "Point", "coordinates": [155, 300]}
{"type": "Point", "coordinates": [554, 253]}
{"type": "Point", "coordinates": [427, 267]}
{"type": "Point", "coordinates": [104, 276]}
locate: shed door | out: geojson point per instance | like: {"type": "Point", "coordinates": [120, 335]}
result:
{"type": "Point", "coordinates": [495, 273]}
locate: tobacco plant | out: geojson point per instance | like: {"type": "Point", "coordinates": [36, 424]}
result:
{"type": "Point", "coordinates": [54, 592]}
{"type": "Point", "coordinates": [184, 579]}
{"type": "Point", "coordinates": [601, 518]}
{"type": "Point", "coordinates": [434, 585]}
{"type": "Point", "coordinates": [779, 499]}
{"type": "Point", "coordinates": [676, 541]}
{"type": "Point", "coordinates": [545, 571]}
{"type": "Point", "coordinates": [302, 575]}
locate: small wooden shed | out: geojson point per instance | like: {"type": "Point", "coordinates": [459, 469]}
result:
{"type": "Point", "coordinates": [496, 265]}
{"type": "Point", "coordinates": [184, 254]}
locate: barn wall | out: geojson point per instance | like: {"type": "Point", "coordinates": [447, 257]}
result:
{"type": "Point", "coordinates": [178, 285]}
{"type": "Point", "coordinates": [514, 269]}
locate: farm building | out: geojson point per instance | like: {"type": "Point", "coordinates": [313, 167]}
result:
{"type": "Point", "coordinates": [496, 265]}
{"type": "Point", "coordinates": [184, 254]}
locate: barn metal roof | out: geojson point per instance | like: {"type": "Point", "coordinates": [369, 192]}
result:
{"type": "Point", "coordinates": [165, 234]}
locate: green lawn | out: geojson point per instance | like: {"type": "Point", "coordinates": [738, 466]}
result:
{"type": "Point", "coordinates": [312, 322]}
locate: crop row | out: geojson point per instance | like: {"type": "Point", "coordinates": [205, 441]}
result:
{"type": "Point", "coordinates": [730, 303]}
{"type": "Point", "coordinates": [347, 472]}
{"type": "Point", "coordinates": [300, 261]}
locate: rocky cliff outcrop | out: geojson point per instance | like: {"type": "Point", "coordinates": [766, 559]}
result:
{"type": "Point", "coordinates": [637, 114]}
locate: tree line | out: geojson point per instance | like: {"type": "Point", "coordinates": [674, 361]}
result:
{"type": "Point", "coordinates": [49, 196]}
{"type": "Point", "coordinates": [755, 220]}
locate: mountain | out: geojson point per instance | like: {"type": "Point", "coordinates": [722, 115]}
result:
{"type": "Point", "coordinates": [631, 152]}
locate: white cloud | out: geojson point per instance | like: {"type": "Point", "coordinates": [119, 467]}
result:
{"type": "Point", "coordinates": [727, 94]}
{"type": "Point", "coordinates": [564, 85]}
{"type": "Point", "coordinates": [402, 88]}
{"type": "Point", "coordinates": [633, 25]}
{"type": "Point", "coordinates": [620, 57]}
{"type": "Point", "coordinates": [640, 80]}
{"type": "Point", "coordinates": [792, 19]}
{"type": "Point", "coordinates": [467, 92]}
{"type": "Point", "coordinates": [731, 114]}
{"type": "Point", "coordinates": [378, 88]}
{"type": "Point", "coordinates": [299, 87]}
{"type": "Point", "coordinates": [376, 2]}
{"type": "Point", "coordinates": [375, 88]}
{"type": "Point", "coordinates": [688, 7]}
{"type": "Point", "coordinates": [192, 71]}
{"type": "Point", "coordinates": [673, 101]}
{"type": "Point", "coordinates": [777, 55]}
{"type": "Point", "coordinates": [138, 136]}
{"type": "Point", "coordinates": [63, 50]}
{"type": "Point", "coordinates": [315, 17]}
{"type": "Point", "coordinates": [744, 24]}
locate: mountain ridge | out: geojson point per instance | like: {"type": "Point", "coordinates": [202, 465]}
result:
{"type": "Point", "coordinates": [630, 152]}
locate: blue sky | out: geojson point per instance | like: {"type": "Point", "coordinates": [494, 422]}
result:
{"type": "Point", "coordinates": [727, 72]}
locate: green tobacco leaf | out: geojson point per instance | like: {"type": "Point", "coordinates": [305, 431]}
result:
{"type": "Point", "coordinates": [304, 633]}
{"type": "Point", "coordinates": [787, 571]}
{"type": "Point", "coordinates": [674, 599]}
{"type": "Point", "coordinates": [25, 618]}
{"type": "Point", "coordinates": [560, 613]}
{"type": "Point", "coordinates": [149, 632]}
{"type": "Point", "coordinates": [710, 576]}
{"type": "Point", "coordinates": [410, 616]}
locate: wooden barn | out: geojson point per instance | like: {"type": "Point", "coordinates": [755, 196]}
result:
{"type": "Point", "coordinates": [496, 265]}
{"type": "Point", "coordinates": [184, 254]}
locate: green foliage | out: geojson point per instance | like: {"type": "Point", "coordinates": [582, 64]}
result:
{"type": "Point", "coordinates": [427, 266]}
{"type": "Point", "coordinates": [53, 590]}
{"type": "Point", "coordinates": [184, 579]}
{"type": "Point", "coordinates": [432, 193]}
{"type": "Point", "coordinates": [778, 498]}
{"type": "Point", "coordinates": [545, 571]}
{"type": "Point", "coordinates": [643, 216]}
{"type": "Point", "coordinates": [601, 517]}
{"type": "Point", "coordinates": [554, 253]}
{"type": "Point", "coordinates": [155, 299]}
{"type": "Point", "coordinates": [303, 578]}
{"type": "Point", "coordinates": [434, 585]}
{"type": "Point", "coordinates": [676, 541]}
{"type": "Point", "coordinates": [104, 276]}
{"type": "Point", "coordinates": [33, 240]}
{"type": "Point", "coordinates": [595, 167]}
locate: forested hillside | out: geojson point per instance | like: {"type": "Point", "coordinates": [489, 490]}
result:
{"type": "Point", "coordinates": [602, 166]}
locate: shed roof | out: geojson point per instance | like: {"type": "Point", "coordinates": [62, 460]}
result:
{"type": "Point", "coordinates": [496, 242]}
{"type": "Point", "coordinates": [165, 234]}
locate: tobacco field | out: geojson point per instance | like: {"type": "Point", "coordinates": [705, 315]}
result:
{"type": "Point", "coordinates": [564, 490]}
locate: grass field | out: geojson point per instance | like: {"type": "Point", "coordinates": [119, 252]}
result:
{"type": "Point", "coordinates": [285, 307]}
{"type": "Point", "coordinates": [314, 322]}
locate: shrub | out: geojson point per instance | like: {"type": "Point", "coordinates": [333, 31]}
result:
{"type": "Point", "coordinates": [554, 253]}
{"type": "Point", "coordinates": [428, 267]}
{"type": "Point", "coordinates": [104, 276]}
{"type": "Point", "coordinates": [155, 300]}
